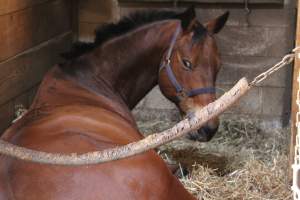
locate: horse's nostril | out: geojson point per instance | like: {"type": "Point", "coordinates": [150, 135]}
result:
{"type": "Point", "coordinates": [206, 133]}
{"type": "Point", "coordinates": [203, 134]}
{"type": "Point", "coordinates": [210, 131]}
{"type": "Point", "coordinates": [193, 136]}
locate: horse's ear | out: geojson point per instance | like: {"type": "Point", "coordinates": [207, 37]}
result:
{"type": "Point", "coordinates": [217, 24]}
{"type": "Point", "coordinates": [188, 18]}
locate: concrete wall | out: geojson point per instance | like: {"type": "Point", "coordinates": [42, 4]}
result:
{"type": "Point", "coordinates": [248, 47]}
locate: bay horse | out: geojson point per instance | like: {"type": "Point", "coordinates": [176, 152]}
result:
{"type": "Point", "coordinates": [84, 105]}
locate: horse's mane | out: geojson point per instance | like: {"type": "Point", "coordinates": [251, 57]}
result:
{"type": "Point", "coordinates": [112, 30]}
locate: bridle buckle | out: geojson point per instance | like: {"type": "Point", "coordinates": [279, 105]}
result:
{"type": "Point", "coordinates": [168, 61]}
{"type": "Point", "coordinates": [182, 95]}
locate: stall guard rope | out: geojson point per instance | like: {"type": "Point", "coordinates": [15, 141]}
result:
{"type": "Point", "coordinates": [193, 122]}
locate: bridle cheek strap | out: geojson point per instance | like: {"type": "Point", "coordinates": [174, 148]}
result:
{"type": "Point", "coordinates": [180, 91]}
{"type": "Point", "coordinates": [173, 79]}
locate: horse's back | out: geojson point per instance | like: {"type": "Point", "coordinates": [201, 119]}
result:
{"type": "Point", "coordinates": [140, 177]}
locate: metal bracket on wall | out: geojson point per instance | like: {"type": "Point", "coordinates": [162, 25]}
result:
{"type": "Point", "coordinates": [175, 3]}
{"type": "Point", "coordinates": [248, 12]}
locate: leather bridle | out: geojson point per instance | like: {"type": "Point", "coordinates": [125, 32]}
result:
{"type": "Point", "coordinates": [181, 92]}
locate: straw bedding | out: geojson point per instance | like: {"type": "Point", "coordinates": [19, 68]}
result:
{"type": "Point", "coordinates": [241, 162]}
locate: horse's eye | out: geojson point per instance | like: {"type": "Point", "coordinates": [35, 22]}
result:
{"type": "Point", "coordinates": [187, 64]}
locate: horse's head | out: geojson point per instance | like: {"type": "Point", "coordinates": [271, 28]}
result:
{"type": "Point", "coordinates": [190, 66]}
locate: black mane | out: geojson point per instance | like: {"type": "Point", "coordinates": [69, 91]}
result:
{"type": "Point", "coordinates": [126, 24]}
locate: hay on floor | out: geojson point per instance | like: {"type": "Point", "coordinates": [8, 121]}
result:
{"type": "Point", "coordinates": [250, 180]}
{"type": "Point", "coordinates": [240, 163]}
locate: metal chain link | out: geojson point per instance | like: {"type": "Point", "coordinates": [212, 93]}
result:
{"type": "Point", "coordinates": [287, 59]}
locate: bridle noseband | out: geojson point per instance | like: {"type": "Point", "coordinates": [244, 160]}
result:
{"type": "Point", "coordinates": [181, 92]}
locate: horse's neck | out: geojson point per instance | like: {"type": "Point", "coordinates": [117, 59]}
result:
{"type": "Point", "coordinates": [130, 64]}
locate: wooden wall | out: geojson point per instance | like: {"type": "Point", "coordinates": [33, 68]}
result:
{"type": "Point", "coordinates": [33, 33]}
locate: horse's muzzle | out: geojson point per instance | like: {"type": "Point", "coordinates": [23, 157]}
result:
{"type": "Point", "coordinates": [204, 134]}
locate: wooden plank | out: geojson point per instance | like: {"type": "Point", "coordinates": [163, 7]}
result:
{"type": "Point", "coordinates": [22, 99]}
{"type": "Point", "coordinates": [27, 28]}
{"type": "Point", "coordinates": [294, 98]}
{"type": "Point", "coordinates": [75, 19]}
{"type": "Point", "coordinates": [9, 6]}
{"type": "Point", "coordinates": [31, 93]}
{"type": "Point", "coordinates": [9, 109]}
{"type": "Point", "coordinates": [6, 115]}
{"type": "Point", "coordinates": [210, 1]}
{"type": "Point", "coordinates": [27, 69]}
